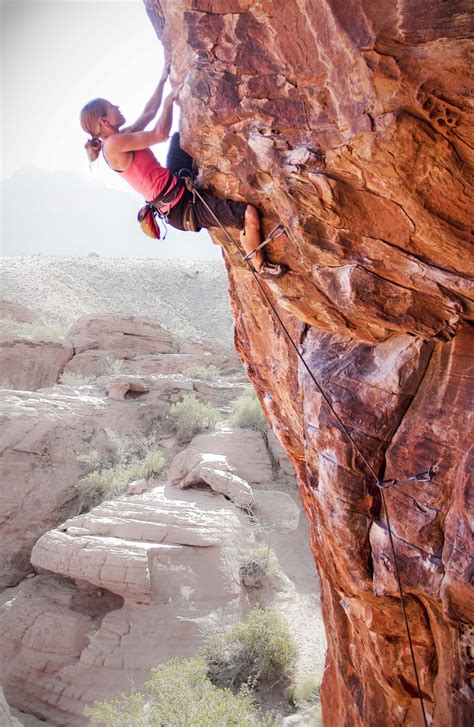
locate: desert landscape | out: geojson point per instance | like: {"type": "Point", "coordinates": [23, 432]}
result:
{"type": "Point", "coordinates": [156, 410]}
{"type": "Point", "coordinates": [135, 564]}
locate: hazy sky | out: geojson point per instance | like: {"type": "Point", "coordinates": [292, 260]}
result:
{"type": "Point", "coordinates": [57, 56]}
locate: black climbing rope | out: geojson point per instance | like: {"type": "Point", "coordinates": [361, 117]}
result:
{"type": "Point", "coordinates": [425, 476]}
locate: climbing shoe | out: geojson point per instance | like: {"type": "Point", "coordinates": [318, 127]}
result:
{"type": "Point", "coordinates": [272, 271]}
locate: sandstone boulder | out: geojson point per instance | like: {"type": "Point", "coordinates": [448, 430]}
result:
{"type": "Point", "coordinates": [126, 335]}
{"type": "Point", "coordinates": [122, 386]}
{"type": "Point", "coordinates": [192, 468]}
{"type": "Point", "coordinates": [173, 550]}
{"type": "Point", "coordinates": [244, 449]}
{"type": "Point", "coordinates": [29, 364]}
{"type": "Point", "coordinates": [40, 441]}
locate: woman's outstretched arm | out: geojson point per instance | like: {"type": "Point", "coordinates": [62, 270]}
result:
{"type": "Point", "coordinates": [134, 141]}
{"type": "Point", "coordinates": [151, 109]}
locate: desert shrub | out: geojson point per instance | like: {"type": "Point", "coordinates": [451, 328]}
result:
{"type": "Point", "coordinates": [104, 484]}
{"type": "Point", "coordinates": [35, 329]}
{"type": "Point", "coordinates": [70, 379]}
{"type": "Point", "coordinates": [190, 416]}
{"type": "Point", "coordinates": [179, 694]}
{"type": "Point", "coordinates": [208, 373]}
{"type": "Point", "coordinates": [122, 449]}
{"type": "Point", "coordinates": [151, 465]}
{"type": "Point", "coordinates": [257, 565]}
{"type": "Point", "coordinates": [260, 649]}
{"type": "Point", "coordinates": [248, 412]}
{"type": "Point", "coordinates": [304, 693]}
{"type": "Point", "coordinates": [126, 458]}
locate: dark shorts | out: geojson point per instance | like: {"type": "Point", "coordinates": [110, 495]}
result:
{"type": "Point", "coordinates": [228, 212]}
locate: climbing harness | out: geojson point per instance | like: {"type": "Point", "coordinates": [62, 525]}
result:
{"type": "Point", "coordinates": [426, 476]}
{"type": "Point", "coordinates": [158, 209]}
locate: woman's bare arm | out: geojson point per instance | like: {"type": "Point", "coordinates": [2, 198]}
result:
{"type": "Point", "coordinates": [151, 108]}
{"type": "Point", "coordinates": [126, 141]}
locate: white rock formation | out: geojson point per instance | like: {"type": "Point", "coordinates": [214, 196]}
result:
{"type": "Point", "coordinates": [193, 468]}
{"type": "Point", "coordinates": [170, 554]}
{"type": "Point", "coordinates": [41, 437]}
{"type": "Point", "coordinates": [245, 450]}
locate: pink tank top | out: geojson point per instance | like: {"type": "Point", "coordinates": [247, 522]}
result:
{"type": "Point", "coordinates": [147, 176]}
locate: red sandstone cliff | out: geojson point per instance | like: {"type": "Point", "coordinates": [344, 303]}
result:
{"type": "Point", "coordinates": [348, 122]}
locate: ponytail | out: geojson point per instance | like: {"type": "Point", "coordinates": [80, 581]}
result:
{"type": "Point", "coordinates": [93, 147]}
{"type": "Point", "coordinates": [89, 118]}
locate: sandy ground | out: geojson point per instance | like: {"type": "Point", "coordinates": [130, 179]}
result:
{"type": "Point", "coordinates": [189, 298]}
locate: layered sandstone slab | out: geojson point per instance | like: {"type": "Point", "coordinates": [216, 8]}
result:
{"type": "Point", "coordinates": [42, 439]}
{"type": "Point", "coordinates": [350, 123]}
{"type": "Point", "coordinates": [145, 574]}
{"type": "Point", "coordinates": [125, 334]}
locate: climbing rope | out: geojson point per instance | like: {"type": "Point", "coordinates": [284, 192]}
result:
{"type": "Point", "coordinates": [425, 476]}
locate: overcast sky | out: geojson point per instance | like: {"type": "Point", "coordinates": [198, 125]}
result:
{"type": "Point", "coordinates": [57, 56]}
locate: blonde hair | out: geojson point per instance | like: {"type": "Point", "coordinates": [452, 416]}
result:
{"type": "Point", "coordinates": [89, 118]}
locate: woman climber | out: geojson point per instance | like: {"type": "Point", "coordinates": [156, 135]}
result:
{"type": "Point", "coordinates": [126, 151]}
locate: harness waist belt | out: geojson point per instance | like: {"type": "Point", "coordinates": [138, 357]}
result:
{"type": "Point", "coordinates": [168, 195]}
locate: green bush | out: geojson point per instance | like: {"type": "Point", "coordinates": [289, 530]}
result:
{"type": "Point", "coordinates": [104, 484]}
{"type": "Point", "coordinates": [189, 417]}
{"type": "Point", "coordinates": [248, 412]}
{"type": "Point", "coordinates": [208, 373]}
{"type": "Point", "coordinates": [107, 483]}
{"type": "Point", "coordinates": [35, 329]}
{"type": "Point", "coordinates": [260, 649]}
{"type": "Point", "coordinates": [179, 694]}
{"type": "Point", "coordinates": [151, 465]}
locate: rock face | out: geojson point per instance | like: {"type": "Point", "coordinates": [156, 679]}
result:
{"type": "Point", "coordinates": [348, 122]}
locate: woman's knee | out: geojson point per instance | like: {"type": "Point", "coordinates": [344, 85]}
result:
{"type": "Point", "coordinates": [251, 217]}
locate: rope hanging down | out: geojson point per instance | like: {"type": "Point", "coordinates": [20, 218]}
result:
{"type": "Point", "coordinates": [426, 476]}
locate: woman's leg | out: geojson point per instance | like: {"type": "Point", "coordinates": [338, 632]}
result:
{"type": "Point", "coordinates": [177, 158]}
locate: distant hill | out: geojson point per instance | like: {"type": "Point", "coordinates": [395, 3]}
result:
{"type": "Point", "coordinates": [60, 213]}
{"type": "Point", "coordinates": [189, 298]}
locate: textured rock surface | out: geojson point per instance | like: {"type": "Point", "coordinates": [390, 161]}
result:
{"type": "Point", "coordinates": [28, 365]}
{"type": "Point", "coordinates": [41, 437]}
{"type": "Point", "coordinates": [349, 123]}
{"type": "Point", "coordinates": [169, 562]}
{"type": "Point", "coordinates": [127, 335]}
{"type": "Point", "coordinates": [192, 468]}
{"type": "Point", "coordinates": [244, 449]}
